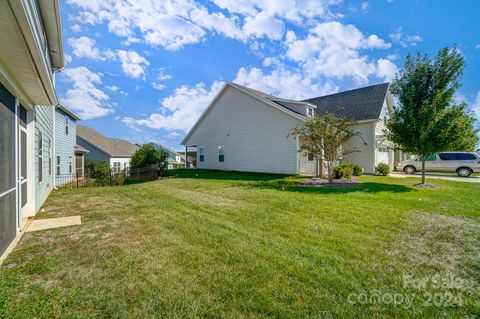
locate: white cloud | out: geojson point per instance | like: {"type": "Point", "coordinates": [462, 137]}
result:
{"type": "Point", "coordinates": [282, 83]}
{"type": "Point", "coordinates": [180, 110]}
{"type": "Point", "coordinates": [112, 88]}
{"type": "Point", "coordinates": [364, 5]}
{"type": "Point", "coordinates": [403, 39]}
{"type": "Point", "coordinates": [76, 28]}
{"type": "Point", "coordinates": [133, 64]}
{"type": "Point", "coordinates": [263, 25]}
{"type": "Point", "coordinates": [386, 69]}
{"type": "Point", "coordinates": [332, 49]}
{"type": "Point", "coordinates": [162, 76]}
{"type": "Point", "coordinates": [477, 46]}
{"type": "Point", "coordinates": [85, 47]}
{"type": "Point", "coordinates": [84, 97]}
{"type": "Point", "coordinates": [174, 24]}
{"type": "Point", "coordinates": [158, 86]}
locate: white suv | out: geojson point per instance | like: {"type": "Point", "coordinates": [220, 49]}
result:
{"type": "Point", "coordinates": [463, 163]}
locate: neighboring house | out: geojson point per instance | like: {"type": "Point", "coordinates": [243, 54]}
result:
{"type": "Point", "coordinates": [65, 141]}
{"type": "Point", "coordinates": [118, 153]}
{"type": "Point", "coordinates": [174, 159]}
{"type": "Point", "coordinates": [31, 50]}
{"type": "Point", "coordinates": [247, 130]}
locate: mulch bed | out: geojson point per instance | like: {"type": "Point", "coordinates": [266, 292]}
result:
{"type": "Point", "coordinates": [336, 183]}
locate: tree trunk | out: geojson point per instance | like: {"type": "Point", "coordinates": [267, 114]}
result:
{"type": "Point", "coordinates": [424, 178]}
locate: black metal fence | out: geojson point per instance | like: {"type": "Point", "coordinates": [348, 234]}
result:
{"type": "Point", "coordinates": [106, 178]}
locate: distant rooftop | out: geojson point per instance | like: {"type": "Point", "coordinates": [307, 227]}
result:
{"type": "Point", "coordinates": [111, 146]}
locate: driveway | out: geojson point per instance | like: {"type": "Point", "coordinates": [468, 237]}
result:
{"type": "Point", "coordinates": [453, 177]}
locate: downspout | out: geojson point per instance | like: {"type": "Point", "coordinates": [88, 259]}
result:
{"type": "Point", "coordinates": [54, 167]}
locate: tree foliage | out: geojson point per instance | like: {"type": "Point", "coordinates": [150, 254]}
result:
{"type": "Point", "coordinates": [147, 156]}
{"type": "Point", "coordinates": [325, 137]}
{"type": "Point", "coordinates": [427, 119]}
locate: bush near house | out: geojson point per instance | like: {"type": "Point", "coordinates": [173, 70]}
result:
{"type": "Point", "coordinates": [347, 170]}
{"type": "Point", "coordinates": [344, 170]}
{"type": "Point", "coordinates": [383, 169]}
{"type": "Point", "coordinates": [357, 170]}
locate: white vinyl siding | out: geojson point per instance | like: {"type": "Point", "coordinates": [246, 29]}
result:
{"type": "Point", "coordinates": [366, 155]}
{"type": "Point", "coordinates": [253, 133]}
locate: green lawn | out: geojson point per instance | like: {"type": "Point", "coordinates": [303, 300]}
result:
{"type": "Point", "coordinates": [231, 245]}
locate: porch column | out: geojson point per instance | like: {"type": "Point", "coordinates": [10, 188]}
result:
{"type": "Point", "coordinates": [186, 157]}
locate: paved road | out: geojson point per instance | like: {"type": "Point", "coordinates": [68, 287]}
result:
{"type": "Point", "coordinates": [456, 178]}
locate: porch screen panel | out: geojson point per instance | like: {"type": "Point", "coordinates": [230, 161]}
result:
{"type": "Point", "coordinates": [7, 169]}
{"type": "Point", "coordinates": [7, 140]}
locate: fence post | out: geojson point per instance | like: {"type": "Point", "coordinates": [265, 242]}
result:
{"type": "Point", "coordinates": [77, 179]}
{"type": "Point", "coordinates": [110, 178]}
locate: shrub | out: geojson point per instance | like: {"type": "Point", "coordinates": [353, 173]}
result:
{"type": "Point", "coordinates": [383, 169]}
{"type": "Point", "coordinates": [343, 170]}
{"type": "Point", "coordinates": [357, 170]}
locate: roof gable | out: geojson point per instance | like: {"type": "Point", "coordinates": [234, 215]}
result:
{"type": "Point", "coordinates": [266, 98]}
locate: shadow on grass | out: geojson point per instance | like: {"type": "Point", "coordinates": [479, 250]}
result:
{"type": "Point", "coordinates": [225, 175]}
{"type": "Point", "coordinates": [366, 187]}
{"type": "Point", "coordinates": [286, 182]}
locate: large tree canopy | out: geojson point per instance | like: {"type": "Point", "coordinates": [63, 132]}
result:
{"type": "Point", "coordinates": [427, 118]}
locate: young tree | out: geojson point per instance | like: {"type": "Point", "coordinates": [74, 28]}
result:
{"type": "Point", "coordinates": [325, 137]}
{"type": "Point", "coordinates": [427, 119]}
{"type": "Point", "coordinates": [147, 155]}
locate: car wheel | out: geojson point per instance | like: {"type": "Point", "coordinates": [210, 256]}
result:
{"type": "Point", "coordinates": [464, 171]}
{"type": "Point", "coordinates": [409, 169]}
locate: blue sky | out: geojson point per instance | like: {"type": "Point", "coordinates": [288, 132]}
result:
{"type": "Point", "coordinates": [145, 70]}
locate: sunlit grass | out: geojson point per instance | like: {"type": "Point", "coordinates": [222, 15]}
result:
{"type": "Point", "coordinates": [216, 244]}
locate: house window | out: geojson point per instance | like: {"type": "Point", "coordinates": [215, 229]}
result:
{"type": "Point", "coordinates": [386, 114]}
{"type": "Point", "coordinates": [70, 165]}
{"type": "Point", "coordinates": [58, 165]}
{"type": "Point", "coordinates": [66, 124]}
{"type": "Point", "coordinates": [40, 156]}
{"type": "Point", "coordinates": [49, 157]}
{"type": "Point", "coordinates": [310, 112]}
{"type": "Point", "coordinates": [221, 154]}
{"type": "Point", "coordinates": [201, 152]}
{"type": "Point", "coordinates": [116, 167]}
{"type": "Point", "coordinates": [310, 157]}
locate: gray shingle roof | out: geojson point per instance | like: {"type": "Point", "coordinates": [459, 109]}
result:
{"type": "Point", "coordinates": [359, 104]}
{"type": "Point", "coordinates": [111, 146]}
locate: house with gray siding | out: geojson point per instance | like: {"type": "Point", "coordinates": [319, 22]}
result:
{"type": "Point", "coordinates": [116, 152]}
{"type": "Point", "coordinates": [65, 142]}
{"type": "Point", "coordinates": [31, 51]}
{"type": "Point", "coordinates": [247, 130]}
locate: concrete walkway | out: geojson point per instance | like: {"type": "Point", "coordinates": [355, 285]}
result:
{"type": "Point", "coordinates": [455, 178]}
{"type": "Point", "coordinates": [42, 224]}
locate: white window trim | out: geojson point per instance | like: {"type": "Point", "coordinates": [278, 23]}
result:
{"type": "Point", "coordinates": [200, 149]}
{"type": "Point", "coordinates": [221, 148]}
{"type": "Point", "coordinates": [40, 156]}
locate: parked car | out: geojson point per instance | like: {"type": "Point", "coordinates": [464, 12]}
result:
{"type": "Point", "coordinates": [463, 163]}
